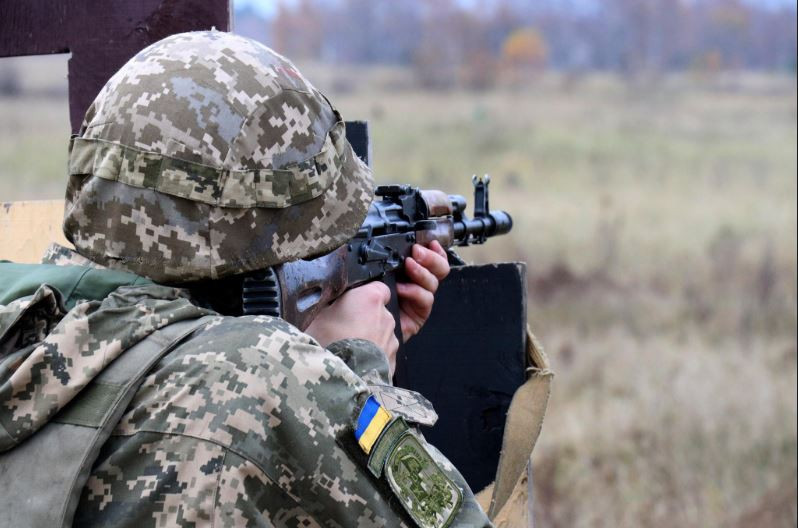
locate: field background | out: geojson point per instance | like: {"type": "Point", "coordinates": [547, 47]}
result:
{"type": "Point", "coordinates": [658, 220]}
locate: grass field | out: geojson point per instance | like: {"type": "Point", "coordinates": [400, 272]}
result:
{"type": "Point", "coordinates": [658, 220]}
{"type": "Point", "coordinates": [659, 225]}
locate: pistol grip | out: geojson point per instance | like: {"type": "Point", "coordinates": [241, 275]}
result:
{"type": "Point", "coordinates": [393, 306]}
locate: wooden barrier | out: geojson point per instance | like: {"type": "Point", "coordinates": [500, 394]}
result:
{"type": "Point", "coordinates": [99, 36]}
{"type": "Point", "coordinates": [27, 228]}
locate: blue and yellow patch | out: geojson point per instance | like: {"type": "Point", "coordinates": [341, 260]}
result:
{"type": "Point", "coordinates": [425, 491]}
{"type": "Point", "coordinates": [372, 420]}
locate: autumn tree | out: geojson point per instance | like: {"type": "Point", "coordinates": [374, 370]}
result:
{"type": "Point", "coordinates": [524, 55]}
{"type": "Point", "coordinates": [297, 29]}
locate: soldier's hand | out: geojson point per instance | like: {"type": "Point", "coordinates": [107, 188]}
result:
{"type": "Point", "coordinates": [359, 313]}
{"type": "Point", "coordinates": [426, 268]}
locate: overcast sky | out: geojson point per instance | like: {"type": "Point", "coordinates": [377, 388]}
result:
{"type": "Point", "coordinates": [267, 8]}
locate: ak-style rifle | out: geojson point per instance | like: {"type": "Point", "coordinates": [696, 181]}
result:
{"type": "Point", "coordinates": [399, 217]}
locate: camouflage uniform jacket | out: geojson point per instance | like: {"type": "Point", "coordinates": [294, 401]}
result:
{"type": "Point", "coordinates": [247, 423]}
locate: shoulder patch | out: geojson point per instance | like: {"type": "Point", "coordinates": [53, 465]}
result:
{"type": "Point", "coordinates": [428, 495]}
{"type": "Point", "coordinates": [408, 404]}
{"type": "Point", "coordinates": [372, 420]}
{"type": "Point", "coordinates": [385, 444]}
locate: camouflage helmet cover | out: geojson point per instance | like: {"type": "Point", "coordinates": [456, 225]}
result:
{"type": "Point", "coordinates": [206, 155]}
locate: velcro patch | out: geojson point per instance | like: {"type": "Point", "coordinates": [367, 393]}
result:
{"type": "Point", "coordinates": [428, 495]}
{"type": "Point", "coordinates": [408, 404]}
{"type": "Point", "coordinates": [384, 445]}
{"type": "Point", "coordinates": [372, 420]}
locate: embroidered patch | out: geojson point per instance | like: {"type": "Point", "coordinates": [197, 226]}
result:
{"type": "Point", "coordinates": [424, 490]}
{"type": "Point", "coordinates": [385, 444]}
{"type": "Point", "coordinates": [408, 404]}
{"type": "Point", "coordinates": [372, 420]}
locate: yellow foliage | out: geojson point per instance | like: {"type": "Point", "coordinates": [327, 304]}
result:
{"type": "Point", "coordinates": [525, 48]}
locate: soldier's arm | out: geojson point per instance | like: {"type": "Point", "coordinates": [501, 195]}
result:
{"type": "Point", "coordinates": [324, 467]}
{"type": "Point", "coordinates": [362, 313]}
{"type": "Point", "coordinates": [370, 364]}
{"type": "Point", "coordinates": [251, 421]}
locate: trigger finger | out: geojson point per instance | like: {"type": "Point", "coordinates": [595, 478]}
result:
{"type": "Point", "coordinates": [418, 297]}
{"type": "Point", "coordinates": [431, 259]}
{"type": "Point", "coordinates": [437, 248]}
{"type": "Point", "coordinates": [421, 275]}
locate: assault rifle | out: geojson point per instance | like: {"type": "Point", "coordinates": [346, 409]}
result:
{"type": "Point", "coordinates": [400, 217]}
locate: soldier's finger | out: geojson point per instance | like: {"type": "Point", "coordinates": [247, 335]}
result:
{"type": "Point", "coordinates": [415, 305]}
{"type": "Point", "coordinates": [420, 275]}
{"type": "Point", "coordinates": [387, 322]}
{"type": "Point", "coordinates": [438, 248]}
{"type": "Point", "coordinates": [392, 349]}
{"type": "Point", "coordinates": [380, 292]}
{"type": "Point", "coordinates": [415, 298]}
{"type": "Point", "coordinates": [437, 263]}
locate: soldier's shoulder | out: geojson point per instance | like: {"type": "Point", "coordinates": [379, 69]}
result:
{"type": "Point", "coordinates": [257, 324]}
{"type": "Point", "coordinates": [262, 333]}
{"type": "Point", "coordinates": [237, 379]}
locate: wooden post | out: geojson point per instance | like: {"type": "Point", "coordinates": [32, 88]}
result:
{"type": "Point", "coordinates": [101, 35]}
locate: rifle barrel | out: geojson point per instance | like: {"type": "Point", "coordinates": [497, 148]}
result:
{"type": "Point", "coordinates": [477, 230]}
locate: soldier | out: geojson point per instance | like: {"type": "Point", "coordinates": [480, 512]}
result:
{"type": "Point", "coordinates": [209, 156]}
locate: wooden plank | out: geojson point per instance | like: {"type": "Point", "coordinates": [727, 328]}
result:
{"type": "Point", "coordinates": [32, 27]}
{"type": "Point", "coordinates": [104, 39]}
{"type": "Point", "coordinates": [28, 228]}
{"type": "Point", "coordinates": [101, 36]}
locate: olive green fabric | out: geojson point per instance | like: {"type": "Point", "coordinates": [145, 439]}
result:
{"type": "Point", "coordinates": [90, 408]}
{"type": "Point", "coordinates": [74, 282]}
{"type": "Point", "coordinates": [430, 497]}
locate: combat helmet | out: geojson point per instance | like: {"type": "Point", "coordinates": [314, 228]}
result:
{"type": "Point", "coordinates": [206, 155]}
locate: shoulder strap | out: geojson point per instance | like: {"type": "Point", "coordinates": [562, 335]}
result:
{"type": "Point", "coordinates": [41, 480]}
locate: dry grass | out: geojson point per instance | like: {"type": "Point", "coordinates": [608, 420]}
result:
{"type": "Point", "coordinates": [659, 224]}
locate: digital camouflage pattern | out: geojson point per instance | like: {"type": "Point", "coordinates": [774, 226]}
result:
{"type": "Point", "coordinates": [429, 496]}
{"type": "Point", "coordinates": [49, 355]}
{"type": "Point", "coordinates": [247, 423]}
{"type": "Point", "coordinates": [250, 422]}
{"type": "Point", "coordinates": [209, 154]}
{"type": "Point", "coordinates": [61, 256]}
{"type": "Point", "coordinates": [408, 404]}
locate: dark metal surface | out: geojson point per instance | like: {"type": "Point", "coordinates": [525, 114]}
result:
{"type": "Point", "coordinates": [469, 360]}
{"type": "Point", "coordinates": [100, 35]}
{"type": "Point", "coordinates": [396, 220]}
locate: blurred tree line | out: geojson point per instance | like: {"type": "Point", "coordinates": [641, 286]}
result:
{"type": "Point", "coordinates": [477, 42]}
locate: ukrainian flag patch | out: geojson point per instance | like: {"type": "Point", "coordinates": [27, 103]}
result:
{"type": "Point", "coordinates": [372, 420]}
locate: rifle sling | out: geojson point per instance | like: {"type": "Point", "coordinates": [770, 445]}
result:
{"type": "Point", "coordinates": [57, 460]}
